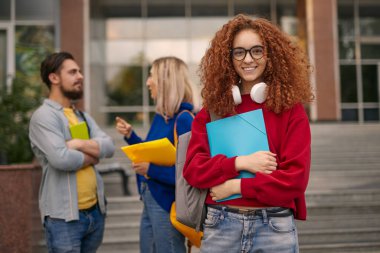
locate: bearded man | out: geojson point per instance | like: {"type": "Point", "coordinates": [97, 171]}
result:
{"type": "Point", "coordinates": [71, 197]}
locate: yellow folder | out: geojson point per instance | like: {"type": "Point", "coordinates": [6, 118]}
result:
{"type": "Point", "coordinates": [160, 152]}
{"type": "Point", "coordinates": [79, 131]}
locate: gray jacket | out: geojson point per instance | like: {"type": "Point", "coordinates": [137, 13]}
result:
{"type": "Point", "coordinates": [48, 133]}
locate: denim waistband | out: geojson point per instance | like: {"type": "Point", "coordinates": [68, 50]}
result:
{"type": "Point", "coordinates": [270, 212]}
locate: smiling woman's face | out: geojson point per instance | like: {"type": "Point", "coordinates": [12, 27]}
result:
{"type": "Point", "coordinates": [249, 69]}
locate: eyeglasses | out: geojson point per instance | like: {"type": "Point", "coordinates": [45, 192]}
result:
{"type": "Point", "coordinates": [239, 53]}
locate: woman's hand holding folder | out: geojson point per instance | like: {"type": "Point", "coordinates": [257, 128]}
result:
{"type": "Point", "coordinates": [141, 168]}
{"type": "Point", "coordinates": [261, 161]}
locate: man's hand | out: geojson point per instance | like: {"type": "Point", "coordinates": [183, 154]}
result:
{"type": "Point", "coordinates": [74, 144]}
{"type": "Point", "coordinates": [89, 147]}
{"type": "Point", "coordinates": [90, 160]}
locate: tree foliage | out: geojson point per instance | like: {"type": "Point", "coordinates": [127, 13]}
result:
{"type": "Point", "coordinates": [15, 111]}
{"type": "Point", "coordinates": [33, 44]}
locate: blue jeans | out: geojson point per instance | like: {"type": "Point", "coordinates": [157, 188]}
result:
{"type": "Point", "coordinates": [81, 236]}
{"type": "Point", "coordinates": [238, 233]}
{"type": "Point", "coordinates": [157, 234]}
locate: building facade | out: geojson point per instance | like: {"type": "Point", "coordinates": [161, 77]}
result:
{"type": "Point", "coordinates": [115, 42]}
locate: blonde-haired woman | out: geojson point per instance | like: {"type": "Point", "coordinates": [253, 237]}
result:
{"type": "Point", "coordinates": [171, 89]}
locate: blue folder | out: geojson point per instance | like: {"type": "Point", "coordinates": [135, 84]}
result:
{"type": "Point", "coordinates": [241, 134]}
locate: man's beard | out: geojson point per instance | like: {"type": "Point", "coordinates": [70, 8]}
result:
{"type": "Point", "coordinates": [72, 94]}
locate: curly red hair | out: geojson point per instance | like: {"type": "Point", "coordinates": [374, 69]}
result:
{"type": "Point", "coordinates": [286, 72]}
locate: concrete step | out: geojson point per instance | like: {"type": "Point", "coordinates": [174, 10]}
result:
{"type": "Point", "coordinates": [330, 180]}
{"type": "Point", "coordinates": [362, 247]}
{"type": "Point", "coordinates": [338, 235]}
{"type": "Point", "coordinates": [340, 197]}
{"type": "Point", "coordinates": [359, 172]}
{"type": "Point", "coordinates": [343, 128]}
{"type": "Point", "coordinates": [123, 245]}
{"type": "Point", "coordinates": [114, 185]}
{"type": "Point", "coordinates": [120, 244]}
{"type": "Point", "coordinates": [126, 229]}
{"type": "Point", "coordinates": [120, 216]}
{"type": "Point", "coordinates": [347, 167]}
{"type": "Point", "coordinates": [339, 221]}
{"type": "Point", "coordinates": [349, 208]}
{"type": "Point", "coordinates": [124, 203]}
{"type": "Point", "coordinates": [325, 154]}
{"type": "Point", "coordinates": [353, 161]}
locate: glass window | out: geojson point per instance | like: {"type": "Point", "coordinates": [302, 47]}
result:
{"type": "Point", "coordinates": [124, 51]}
{"type": "Point", "coordinates": [255, 8]}
{"type": "Point", "coordinates": [350, 115]}
{"type": "Point", "coordinates": [33, 44]}
{"type": "Point", "coordinates": [168, 8]}
{"type": "Point", "coordinates": [370, 51]}
{"type": "Point", "coordinates": [202, 34]}
{"type": "Point", "coordinates": [124, 85]}
{"type": "Point", "coordinates": [348, 88]}
{"type": "Point", "coordinates": [370, 83]}
{"type": "Point", "coordinates": [3, 59]}
{"type": "Point", "coordinates": [369, 18]}
{"type": "Point", "coordinates": [166, 28]}
{"type": "Point", "coordinates": [35, 10]}
{"type": "Point", "coordinates": [371, 114]}
{"type": "Point", "coordinates": [162, 41]}
{"type": "Point", "coordinates": [114, 9]}
{"type": "Point", "coordinates": [287, 16]}
{"type": "Point", "coordinates": [209, 8]}
{"type": "Point", "coordinates": [346, 30]}
{"type": "Point", "coordinates": [200, 30]}
{"type": "Point", "coordinates": [163, 47]}
{"type": "Point", "coordinates": [134, 118]}
{"type": "Point", "coordinates": [5, 9]}
{"type": "Point", "coordinates": [122, 28]}
{"type": "Point", "coordinates": [198, 49]}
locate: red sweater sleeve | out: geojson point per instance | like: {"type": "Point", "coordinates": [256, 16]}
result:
{"type": "Point", "coordinates": [291, 140]}
{"type": "Point", "coordinates": [200, 169]}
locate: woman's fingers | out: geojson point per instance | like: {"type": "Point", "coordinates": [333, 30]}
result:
{"type": "Point", "coordinates": [120, 120]}
{"type": "Point", "coordinates": [123, 126]}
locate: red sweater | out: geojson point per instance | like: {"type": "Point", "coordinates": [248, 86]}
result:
{"type": "Point", "coordinates": [288, 136]}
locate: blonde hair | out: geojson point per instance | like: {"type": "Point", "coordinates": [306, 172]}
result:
{"type": "Point", "coordinates": [171, 76]}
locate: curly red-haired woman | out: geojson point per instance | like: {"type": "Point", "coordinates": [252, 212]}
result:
{"type": "Point", "coordinates": [252, 57]}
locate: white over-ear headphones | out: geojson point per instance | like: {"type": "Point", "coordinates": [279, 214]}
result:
{"type": "Point", "coordinates": [258, 93]}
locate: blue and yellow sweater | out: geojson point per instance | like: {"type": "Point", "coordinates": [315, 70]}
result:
{"type": "Point", "coordinates": [161, 180]}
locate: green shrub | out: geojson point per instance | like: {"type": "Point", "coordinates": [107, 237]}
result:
{"type": "Point", "coordinates": [16, 108]}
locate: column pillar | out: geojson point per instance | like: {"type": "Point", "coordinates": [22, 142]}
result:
{"type": "Point", "coordinates": [72, 28]}
{"type": "Point", "coordinates": [323, 51]}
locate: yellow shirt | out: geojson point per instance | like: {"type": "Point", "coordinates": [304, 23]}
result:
{"type": "Point", "coordinates": [86, 178]}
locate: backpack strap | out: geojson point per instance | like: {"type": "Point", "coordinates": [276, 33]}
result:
{"type": "Point", "coordinates": [84, 119]}
{"type": "Point", "coordinates": [213, 117]}
{"type": "Point", "coordinates": [175, 125]}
